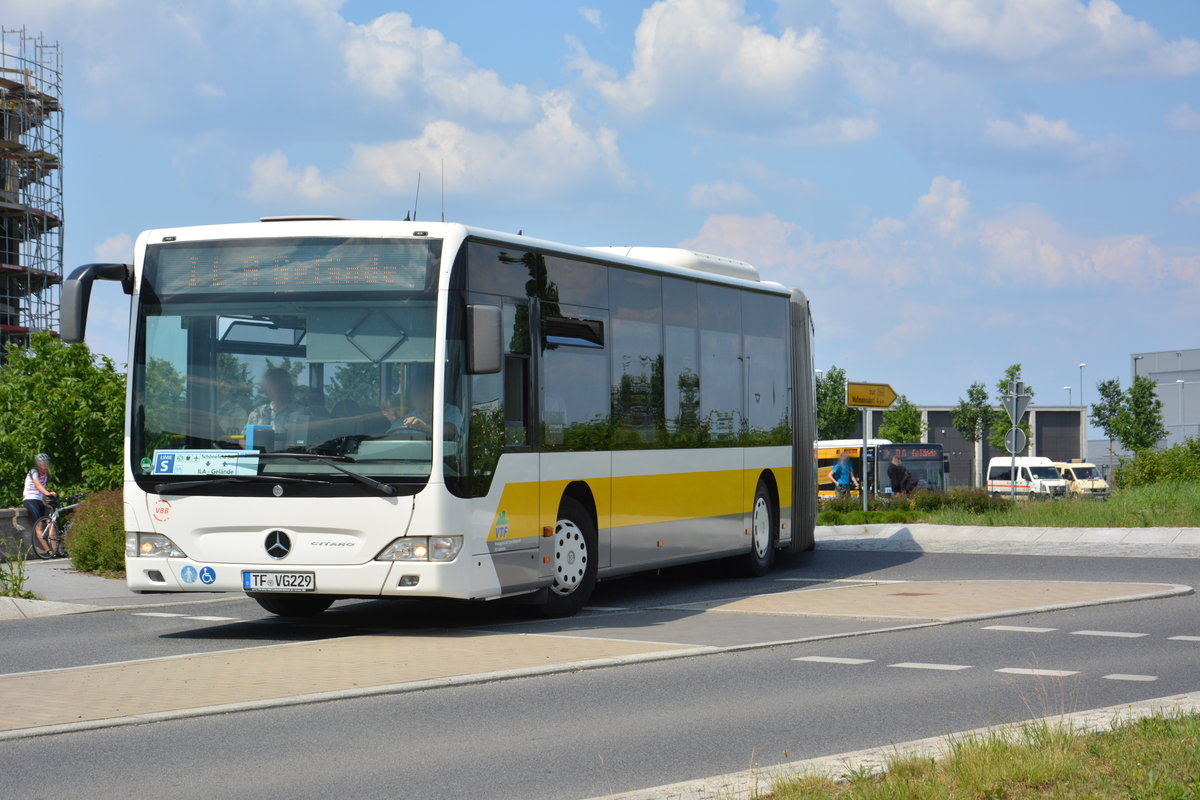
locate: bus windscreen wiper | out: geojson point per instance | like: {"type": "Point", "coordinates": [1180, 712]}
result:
{"type": "Point", "coordinates": [385, 489]}
{"type": "Point", "coordinates": [179, 488]}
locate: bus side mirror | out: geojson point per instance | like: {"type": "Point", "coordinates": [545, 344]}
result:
{"type": "Point", "coordinates": [77, 295]}
{"type": "Point", "coordinates": [485, 349]}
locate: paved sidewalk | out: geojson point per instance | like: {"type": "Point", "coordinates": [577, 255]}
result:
{"type": "Point", "coordinates": [922, 537]}
{"type": "Point", "coordinates": [71, 592]}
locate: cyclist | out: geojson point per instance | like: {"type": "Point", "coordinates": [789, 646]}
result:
{"type": "Point", "coordinates": [35, 495]}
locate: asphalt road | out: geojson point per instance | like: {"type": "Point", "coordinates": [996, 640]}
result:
{"type": "Point", "coordinates": [588, 733]}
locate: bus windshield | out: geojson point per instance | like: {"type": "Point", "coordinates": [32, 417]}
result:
{"type": "Point", "coordinates": [319, 347]}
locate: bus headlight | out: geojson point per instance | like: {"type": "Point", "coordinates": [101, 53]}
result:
{"type": "Point", "coordinates": [422, 548]}
{"type": "Point", "coordinates": [152, 545]}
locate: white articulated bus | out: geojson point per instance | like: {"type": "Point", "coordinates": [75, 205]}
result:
{"type": "Point", "coordinates": [322, 408]}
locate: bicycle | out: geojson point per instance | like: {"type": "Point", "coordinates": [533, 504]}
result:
{"type": "Point", "coordinates": [55, 534]}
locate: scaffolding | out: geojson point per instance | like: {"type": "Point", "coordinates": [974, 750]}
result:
{"type": "Point", "coordinates": [31, 196]}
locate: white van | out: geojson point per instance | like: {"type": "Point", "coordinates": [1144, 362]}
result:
{"type": "Point", "coordinates": [1083, 478]}
{"type": "Point", "coordinates": [1036, 477]}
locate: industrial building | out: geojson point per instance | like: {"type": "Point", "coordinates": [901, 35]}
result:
{"type": "Point", "coordinates": [31, 196]}
{"type": "Point", "coordinates": [1057, 432]}
{"type": "Point", "coordinates": [1176, 376]}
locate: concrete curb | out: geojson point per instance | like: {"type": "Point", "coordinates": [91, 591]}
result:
{"type": "Point", "coordinates": [928, 538]}
{"type": "Point", "coordinates": [753, 783]}
{"type": "Point", "coordinates": [17, 608]}
{"type": "Point", "coordinates": [686, 651]}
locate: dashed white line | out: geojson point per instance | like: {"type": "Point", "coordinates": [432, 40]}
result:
{"type": "Point", "coordinates": [1121, 676]}
{"type": "Point", "coordinates": [183, 616]}
{"type": "Point", "coordinates": [1018, 629]}
{"type": "Point", "coordinates": [1113, 634]}
{"type": "Point", "coordinates": [834, 660]}
{"type": "Point", "coordinates": [155, 614]}
{"type": "Point", "coordinates": [1184, 638]}
{"type": "Point", "coordinates": [922, 665]}
{"type": "Point", "coordinates": [1049, 673]}
{"type": "Point", "coordinates": [216, 619]}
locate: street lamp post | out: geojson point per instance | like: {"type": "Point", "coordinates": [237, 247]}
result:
{"type": "Point", "coordinates": [1082, 414]}
{"type": "Point", "coordinates": [1181, 383]}
{"type": "Point", "coordinates": [1068, 388]}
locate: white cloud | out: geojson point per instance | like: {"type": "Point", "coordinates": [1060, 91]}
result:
{"type": "Point", "coordinates": [392, 59]}
{"type": "Point", "coordinates": [1054, 141]}
{"type": "Point", "coordinates": [1190, 203]}
{"type": "Point", "coordinates": [116, 249]}
{"type": "Point", "coordinates": [210, 92]}
{"type": "Point", "coordinates": [273, 180]}
{"type": "Point", "coordinates": [592, 15]}
{"type": "Point", "coordinates": [1184, 118]}
{"type": "Point", "coordinates": [1049, 39]}
{"type": "Point", "coordinates": [946, 206]}
{"type": "Point", "coordinates": [708, 60]}
{"type": "Point", "coordinates": [720, 194]}
{"type": "Point", "coordinates": [556, 155]}
{"type": "Point", "coordinates": [762, 241]}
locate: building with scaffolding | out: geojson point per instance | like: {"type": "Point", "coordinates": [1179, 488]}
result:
{"type": "Point", "coordinates": [31, 196]}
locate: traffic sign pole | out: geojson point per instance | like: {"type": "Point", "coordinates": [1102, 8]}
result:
{"type": "Point", "coordinates": [864, 397]}
{"type": "Point", "coordinates": [866, 434]}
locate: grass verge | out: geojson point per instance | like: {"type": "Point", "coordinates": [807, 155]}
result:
{"type": "Point", "coordinates": [1165, 505]}
{"type": "Point", "coordinates": [1155, 757]}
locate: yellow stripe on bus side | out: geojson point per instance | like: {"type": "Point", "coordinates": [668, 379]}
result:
{"type": "Point", "coordinates": [636, 500]}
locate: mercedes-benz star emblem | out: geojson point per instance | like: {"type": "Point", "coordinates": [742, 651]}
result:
{"type": "Point", "coordinates": [278, 544]}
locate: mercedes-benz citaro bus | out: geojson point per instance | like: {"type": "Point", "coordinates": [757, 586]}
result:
{"type": "Point", "coordinates": [322, 408]}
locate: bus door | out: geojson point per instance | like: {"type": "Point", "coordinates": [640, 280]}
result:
{"type": "Point", "coordinates": [573, 415]}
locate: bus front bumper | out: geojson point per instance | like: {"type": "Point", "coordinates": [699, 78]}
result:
{"type": "Point", "coordinates": [374, 578]}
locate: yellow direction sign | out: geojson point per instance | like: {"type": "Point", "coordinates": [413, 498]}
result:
{"type": "Point", "coordinates": [869, 395]}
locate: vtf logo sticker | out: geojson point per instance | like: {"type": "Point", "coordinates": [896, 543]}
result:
{"type": "Point", "coordinates": [502, 525]}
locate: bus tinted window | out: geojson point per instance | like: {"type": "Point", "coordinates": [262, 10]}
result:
{"type": "Point", "coordinates": [681, 366]}
{"type": "Point", "coordinates": [579, 283]}
{"type": "Point", "coordinates": [500, 270]}
{"type": "Point", "coordinates": [575, 396]}
{"type": "Point", "coordinates": [767, 372]}
{"type": "Point", "coordinates": [721, 378]}
{"type": "Point", "coordinates": [637, 365]}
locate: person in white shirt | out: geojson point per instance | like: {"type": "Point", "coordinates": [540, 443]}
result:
{"type": "Point", "coordinates": [35, 495]}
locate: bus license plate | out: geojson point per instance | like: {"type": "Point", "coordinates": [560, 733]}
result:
{"type": "Point", "coordinates": [279, 581]}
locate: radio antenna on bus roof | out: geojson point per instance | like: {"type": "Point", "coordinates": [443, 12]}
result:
{"type": "Point", "coordinates": [417, 199]}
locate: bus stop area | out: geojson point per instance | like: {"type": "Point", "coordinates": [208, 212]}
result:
{"type": "Point", "coordinates": [368, 647]}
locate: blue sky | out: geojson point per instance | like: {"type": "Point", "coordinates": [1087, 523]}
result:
{"type": "Point", "coordinates": [956, 185]}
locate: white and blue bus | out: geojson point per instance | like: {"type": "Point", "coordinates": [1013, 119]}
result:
{"type": "Point", "coordinates": [322, 408]}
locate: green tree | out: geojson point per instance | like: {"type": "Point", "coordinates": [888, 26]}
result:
{"type": "Point", "coordinates": [971, 418]}
{"type": "Point", "coordinates": [902, 422]}
{"type": "Point", "coordinates": [1106, 413]}
{"type": "Point", "coordinates": [63, 400]}
{"type": "Point", "coordinates": [1000, 423]}
{"type": "Point", "coordinates": [357, 382]}
{"type": "Point", "coordinates": [1140, 423]}
{"type": "Point", "coordinates": [835, 420]}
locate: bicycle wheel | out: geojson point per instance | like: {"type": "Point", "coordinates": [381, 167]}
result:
{"type": "Point", "coordinates": [64, 536]}
{"type": "Point", "coordinates": [45, 545]}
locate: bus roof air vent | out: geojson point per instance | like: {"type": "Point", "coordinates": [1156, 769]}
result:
{"type": "Point", "coordinates": [688, 259]}
{"type": "Point", "coordinates": [299, 218]}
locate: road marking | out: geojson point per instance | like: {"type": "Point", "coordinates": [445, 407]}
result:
{"type": "Point", "coordinates": [155, 614]}
{"type": "Point", "coordinates": [606, 608]}
{"type": "Point", "coordinates": [920, 665]}
{"type": "Point", "coordinates": [216, 619]}
{"type": "Point", "coordinates": [834, 660]}
{"type": "Point", "coordinates": [1120, 676]}
{"type": "Point", "coordinates": [1050, 673]}
{"type": "Point", "coordinates": [1018, 629]}
{"type": "Point", "coordinates": [1113, 634]}
{"type": "Point", "coordinates": [1184, 638]}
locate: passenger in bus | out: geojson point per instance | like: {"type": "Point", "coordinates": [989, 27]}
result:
{"type": "Point", "coordinates": [419, 413]}
{"type": "Point", "coordinates": [281, 411]}
{"type": "Point", "coordinates": [901, 479]}
{"type": "Point", "coordinates": [843, 474]}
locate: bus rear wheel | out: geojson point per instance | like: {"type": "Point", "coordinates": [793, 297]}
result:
{"type": "Point", "coordinates": [764, 533]}
{"type": "Point", "coordinates": [293, 605]}
{"type": "Point", "coordinates": [574, 560]}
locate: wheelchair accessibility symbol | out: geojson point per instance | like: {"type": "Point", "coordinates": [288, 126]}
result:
{"type": "Point", "coordinates": [207, 575]}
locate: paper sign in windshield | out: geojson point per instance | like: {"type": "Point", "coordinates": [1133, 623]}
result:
{"type": "Point", "coordinates": [205, 462]}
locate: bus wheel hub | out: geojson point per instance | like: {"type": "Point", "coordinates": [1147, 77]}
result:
{"type": "Point", "coordinates": [570, 557]}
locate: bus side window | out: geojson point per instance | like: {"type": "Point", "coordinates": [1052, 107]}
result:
{"type": "Point", "coordinates": [1000, 474]}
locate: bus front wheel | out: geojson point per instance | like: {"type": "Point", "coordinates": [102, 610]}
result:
{"type": "Point", "coordinates": [574, 560]}
{"type": "Point", "coordinates": [764, 532]}
{"type": "Point", "coordinates": [293, 605]}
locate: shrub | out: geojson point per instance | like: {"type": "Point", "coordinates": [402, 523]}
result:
{"type": "Point", "coordinates": [97, 539]}
{"type": "Point", "coordinates": [1177, 464]}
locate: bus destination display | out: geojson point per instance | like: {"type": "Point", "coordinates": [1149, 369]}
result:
{"type": "Point", "coordinates": [291, 265]}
